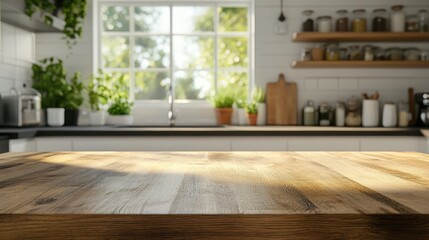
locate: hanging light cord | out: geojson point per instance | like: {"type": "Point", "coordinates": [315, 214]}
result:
{"type": "Point", "coordinates": [282, 17]}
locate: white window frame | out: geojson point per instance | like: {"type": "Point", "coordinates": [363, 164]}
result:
{"type": "Point", "coordinates": [97, 36]}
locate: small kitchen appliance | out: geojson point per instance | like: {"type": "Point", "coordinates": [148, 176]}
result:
{"type": "Point", "coordinates": [22, 108]}
{"type": "Point", "coordinates": [422, 100]}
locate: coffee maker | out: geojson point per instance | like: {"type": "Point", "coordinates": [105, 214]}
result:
{"type": "Point", "coordinates": [422, 100]}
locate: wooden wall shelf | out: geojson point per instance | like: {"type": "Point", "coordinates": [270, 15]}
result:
{"type": "Point", "coordinates": [360, 37]}
{"type": "Point", "coordinates": [360, 64]}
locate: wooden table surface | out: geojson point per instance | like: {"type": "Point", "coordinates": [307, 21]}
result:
{"type": "Point", "coordinates": [114, 191]}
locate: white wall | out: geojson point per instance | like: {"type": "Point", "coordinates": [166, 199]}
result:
{"type": "Point", "coordinates": [274, 54]}
{"type": "Point", "coordinates": [16, 56]}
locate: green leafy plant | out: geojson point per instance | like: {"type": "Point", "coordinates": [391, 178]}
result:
{"type": "Point", "coordinates": [98, 90]}
{"type": "Point", "coordinates": [259, 95]}
{"type": "Point", "coordinates": [252, 108]}
{"type": "Point", "coordinates": [74, 15]}
{"type": "Point", "coordinates": [224, 98]}
{"type": "Point", "coordinates": [120, 105]}
{"type": "Point", "coordinates": [241, 98]}
{"type": "Point", "coordinates": [50, 79]}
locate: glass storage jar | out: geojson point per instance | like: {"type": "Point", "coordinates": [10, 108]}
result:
{"type": "Point", "coordinates": [412, 54]}
{"type": "Point", "coordinates": [306, 54]}
{"type": "Point", "coordinates": [309, 114]}
{"type": "Point", "coordinates": [318, 52]}
{"type": "Point", "coordinates": [359, 20]}
{"type": "Point", "coordinates": [423, 20]}
{"type": "Point", "coordinates": [424, 55]}
{"type": "Point", "coordinates": [343, 54]}
{"type": "Point", "coordinates": [333, 52]}
{"type": "Point", "coordinates": [394, 54]}
{"type": "Point", "coordinates": [379, 22]}
{"type": "Point", "coordinates": [379, 54]}
{"type": "Point", "coordinates": [324, 24]}
{"type": "Point", "coordinates": [307, 21]}
{"type": "Point", "coordinates": [342, 22]}
{"type": "Point", "coordinates": [412, 23]}
{"type": "Point", "coordinates": [397, 19]}
{"type": "Point", "coordinates": [368, 53]}
{"type": "Point", "coordinates": [354, 53]}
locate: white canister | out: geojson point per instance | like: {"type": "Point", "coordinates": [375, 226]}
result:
{"type": "Point", "coordinates": [242, 117]}
{"type": "Point", "coordinates": [324, 24]}
{"type": "Point", "coordinates": [390, 115]}
{"type": "Point", "coordinates": [262, 114]}
{"type": "Point", "coordinates": [234, 119]}
{"type": "Point", "coordinates": [370, 113]}
{"type": "Point", "coordinates": [97, 118]}
{"type": "Point", "coordinates": [120, 120]}
{"type": "Point", "coordinates": [397, 19]}
{"type": "Point", "coordinates": [340, 115]}
{"type": "Point", "coordinates": [55, 117]}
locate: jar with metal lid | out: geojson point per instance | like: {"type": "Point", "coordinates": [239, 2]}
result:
{"type": "Point", "coordinates": [354, 118]}
{"type": "Point", "coordinates": [412, 54]}
{"type": "Point", "coordinates": [307, 21]}
{"type": "Point", "coordinates": [359, 20]}
{"type": "Point", "coordinates": [368, 53]}
{"type": "Point", "coordinates": [403, 114]}
{"type": "Point", "coordinates": [324, 24]}
{"type": "Point", "coordinates": [333, 52]}
{"type": "Point", "coordinates": [397, 19]}
{"type": "Point", "coordinates": [309, 114]}
{"type": "Point", "coordinates": [379, 22]}
{"type": "Point", "coordinates": [318, 52]}
{"type": "Point", "coordinates": [423, 21]}
{"type": "Point", "coordinates": [394, 54]}
{"type": "Point", "coordinates": [412, 23]}
{"type": "Point", "coordinates": [355, 53]}
{"type": "Point", "coordinates": [306, 54]}
{"type": "Point", "coordinates": [343, 54]}
{"type": "Point", "coordinates": [325, 115]}
{"type": "Point", "coordinates": [424, 55]}
{"type": "Point", "coordinates": [342, 22]}
{"type": "Point", "coordinates": [379, 54]}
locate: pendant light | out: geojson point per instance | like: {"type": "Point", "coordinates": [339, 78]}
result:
{"type": "Point", "coordinates": [281, 26]}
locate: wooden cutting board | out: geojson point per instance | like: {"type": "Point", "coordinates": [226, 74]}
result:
{"type": "Point", "coordinates": [282, 102]}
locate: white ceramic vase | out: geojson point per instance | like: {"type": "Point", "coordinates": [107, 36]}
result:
{"type": "Point", "coordinates": [120, 120]}
{"type": "Point", "coordinates": [97, 118]}
{"type": "Point", "coordinates": [370, 113]}
{"type": "Point", "coordinates": [242, 117]}
{"type": "Point", "coordinates": [55, 117]}
{"type": "Point", "coordinates": [262, 114]}
{"type": "Point", "coordinates": [390, 115]}
{"type": "Point", "coordinates": [234, 119]}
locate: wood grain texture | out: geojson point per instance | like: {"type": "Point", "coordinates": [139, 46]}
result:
{"type": "Point", "coordinates": [198, 195]}
{"type": "Point", "coordinates": [282, 102]}
{"type": "Point", "coordinates": [360, 37]}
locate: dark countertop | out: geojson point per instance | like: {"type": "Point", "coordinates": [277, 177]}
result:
{"type": "Point", "coordinates": [16, 133]}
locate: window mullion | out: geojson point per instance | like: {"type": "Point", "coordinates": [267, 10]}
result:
{"type": "Point", "coordinates": [171, 54]}
{"type": "Point", "coordinates": [131, 52]}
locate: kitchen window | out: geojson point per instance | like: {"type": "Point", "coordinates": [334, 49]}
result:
{"type": "Point", "coordinates": [199, 47]}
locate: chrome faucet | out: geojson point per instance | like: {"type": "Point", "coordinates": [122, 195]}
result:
{"type": "Point", "coordinates": [170, 99]}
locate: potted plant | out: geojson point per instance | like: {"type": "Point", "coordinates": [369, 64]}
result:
{"type": "Point", "coordinates": [49, 79]}
{"type": "Point", "coordinates": [74, 15]}
{"type": "Point", "coordinates": [72, 100]}
{"type": "Point", "coordinates": [252, 113]}
{"type": "Point", "coordinates": [223, 102]}
{"type": "Point", "coordinates": [98, 90]}
{"type": "Point", "coordinates": [259, 98]}
{"type": "Point", "coordinates": [120, 107]}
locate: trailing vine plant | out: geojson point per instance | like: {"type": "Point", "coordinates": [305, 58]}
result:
{"type": "Point", "coordinates": [74, 15]}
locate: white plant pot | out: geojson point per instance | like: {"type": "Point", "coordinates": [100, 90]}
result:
{"type": "Point", "coordinates": [262, 114]}
{"type": "Point", "coordinates": [120, 120]}
{"type": "Point", "coordinates": [234, 119]}
{"type": "Point", "coordinates": [97, 118]}
{"type": "Point", "coordinates": [55, 117]}
{"type": "Point", "coordinates": [242, 117]}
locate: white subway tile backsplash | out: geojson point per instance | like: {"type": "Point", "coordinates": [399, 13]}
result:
{"type": "Point", "coordinates": [328, 83]}
{"type": "Point", "coordinates": [348, 84]}
{"type": "Point", "coordinates": [311, 84]}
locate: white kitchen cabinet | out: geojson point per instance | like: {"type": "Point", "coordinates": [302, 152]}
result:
{"type": "Point", "coordinates": [258, 144]}
{"type": "Point", "coordinates": [323, 144]}
{"type": "Point", "coordinates": [397, 144]}
{"type": "Point", "coordinates": [151, 144]}
{"type": "Point", "coordinates": [22, 145]}
{"type": "Point", "coordinates": [54, 144]}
